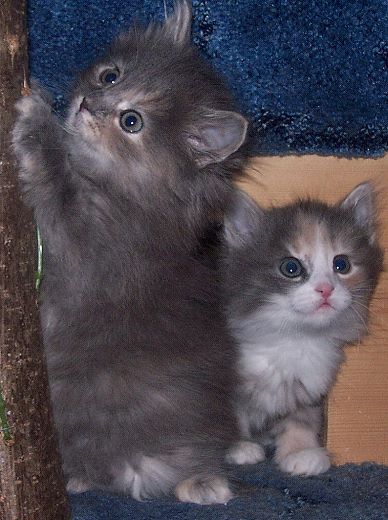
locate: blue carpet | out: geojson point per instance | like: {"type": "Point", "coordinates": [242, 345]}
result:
{"type": "Point", "coordinates": [311, 75]}
{"type": "Point", "coordinates": [350, 492]}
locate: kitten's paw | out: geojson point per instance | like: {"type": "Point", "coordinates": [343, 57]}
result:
{"type": "Point", "coordinates": [76, 485]}
{"type": "Point", "coordinates": [310, 461]}
{"type": "Point", "coordinates": [30, 106]}
{"type": "Point", "coordinates": [34, 126]}
{"type": "Point", "coordinates": [204, 490]}
{"type": "Point", "coordinates": [245, 452]}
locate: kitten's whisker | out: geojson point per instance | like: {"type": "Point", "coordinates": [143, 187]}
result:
{"type": "Point", "coordinates": [360, 317]}
{"type": "Point", "coordinates": [362, 304]}
{"type": "Point", "coordinates": [137, 45]}
{"type": "Point", "coordinates": [69, 128]}
{"type": "Point", "coordinates": [284, 327]}
{"type": "Point", "coordinates": [367, 307]}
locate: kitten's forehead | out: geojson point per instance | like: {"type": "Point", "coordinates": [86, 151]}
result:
{"type": "Point", "coordinates": [310, 233]}
{"type": "Point", "coordinates": [315, 243]}
{"type": "Point", "coordinates": [131, 88]}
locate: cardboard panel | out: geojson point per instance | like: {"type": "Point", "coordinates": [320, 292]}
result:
{"type": "Point", "coordinates": [357, 415]}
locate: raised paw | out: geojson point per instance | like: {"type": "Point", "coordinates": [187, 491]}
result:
{"type": "Point", "coordinates": [33, 104]}
{"type": "Point", "coordinates": [204, 490]}
{"type": "Point", "coordinates": [245, 452]}
{"type": "Point", "coordinates": [307, 462]}
{"type": "Point", "coordinates": [35, 131]}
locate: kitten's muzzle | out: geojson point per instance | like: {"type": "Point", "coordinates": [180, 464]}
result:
{"type": "Point", "coordinates": [324, 289]}
{"type": "Point", "coordinates": [87, 106]}
{"type": "Point", "coordinates": [84, 105]}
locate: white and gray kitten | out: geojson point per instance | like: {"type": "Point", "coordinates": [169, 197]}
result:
{"type": "Point", "coordinates": [298, 281]}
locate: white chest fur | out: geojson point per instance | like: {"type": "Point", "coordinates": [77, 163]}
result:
{"type": "Point", "coordinates": [281, 370]}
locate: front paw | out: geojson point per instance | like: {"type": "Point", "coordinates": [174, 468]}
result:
{"type": "Point", "coordinates": [204, 490]}
{"type": "Point", "coordinates": [34, 126]}
{"type": "Point", "coordinates": [307, 462]}
{"type": "Point", "coordinates": [33, 106]}
{"type": "Point", "coordinates": [245, 452]}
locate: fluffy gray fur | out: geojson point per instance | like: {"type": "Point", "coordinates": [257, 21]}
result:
{"type": "Point", "coordinates": [138, 353]}
{"type": "Point", "coordinates": [291, 331]}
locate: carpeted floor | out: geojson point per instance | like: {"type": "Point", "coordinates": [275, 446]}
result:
{"type": "Point", "coordinates": [350, 492]}
{"type": "Point", "coordinates": [311, 75]}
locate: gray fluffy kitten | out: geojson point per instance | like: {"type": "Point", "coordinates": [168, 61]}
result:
{"type": "Point", "coordinates": [298, 281]}
{"type": "Point", "coordinates": [123, 192]}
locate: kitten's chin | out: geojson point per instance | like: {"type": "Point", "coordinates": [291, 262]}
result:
{"type": "Point", "coordinates": [320, 314]}
{"type": "Point", "coordinates": [324, 315]}
{"type": "Point", "coordinates": [325, 310]}
{"type": "Point", "coordinates": [320, 317]}
{"type": "Point", "coordinates": [344, 324]}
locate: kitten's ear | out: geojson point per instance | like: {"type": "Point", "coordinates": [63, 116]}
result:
{"type": "Point", "coordinates": [216, 135]}
{"type": "Point", "coordinates": [241, 220]}
{"type": "Point", "coordinates": [362, 203]}
{"type": "Point", "coordinates": [178, 25]}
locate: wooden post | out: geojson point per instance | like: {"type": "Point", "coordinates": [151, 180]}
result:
{"type": "Point", "coordinates": [31, 482]}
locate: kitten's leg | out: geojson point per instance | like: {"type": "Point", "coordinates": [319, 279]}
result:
{"type": "Point", "coordinates": [204, 489]}
{"type": "Point", "coordinates": [38, 144]}
{"type": "Point", "coordinates": [75, 475]}
{"type": "Point", "coordinates": [297, 446]}
{"type": "Point", "coordinates": [245, 451]}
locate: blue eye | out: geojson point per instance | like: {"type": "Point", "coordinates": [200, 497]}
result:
{"type": "Point", "coordinates": [341, 264]}
{"type": "Point", "coordinates": [131, 121]}
{"type": "Point", "coordinates": [109, 76]}
{"type": "Point", "coordinates": [291, 267]}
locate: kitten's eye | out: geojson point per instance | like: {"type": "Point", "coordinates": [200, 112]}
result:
{"type": "Point", "coordinates": [341, 264]}
{"type": "Point", "coordinates": [291, 267]}
{"type": "Point", "coordinates": [109, 76]}
{"type": "Point", "coordinates": [131, 121]}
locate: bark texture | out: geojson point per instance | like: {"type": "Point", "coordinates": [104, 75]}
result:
{"type": "Point", "coordinates": [31, 482]}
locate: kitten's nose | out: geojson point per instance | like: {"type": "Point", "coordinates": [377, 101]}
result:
{"type": "Point", "coordinates": [84, 105]}
{"type": "Point", "coordinates": [325, 289]}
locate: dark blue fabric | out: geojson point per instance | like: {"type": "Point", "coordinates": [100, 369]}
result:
{"type": "Point", "coordinates": [310, 74]}
{"type": "Point", "coordinates": [350, 492]}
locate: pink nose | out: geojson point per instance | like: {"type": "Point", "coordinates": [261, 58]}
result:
{"type": "Point", "coordinates": [325, 289]}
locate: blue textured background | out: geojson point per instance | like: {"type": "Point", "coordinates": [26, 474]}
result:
{"type": "Point", "coordinates": [310, 74]}
{"type": "Point", "coordinates": [345, 493]}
